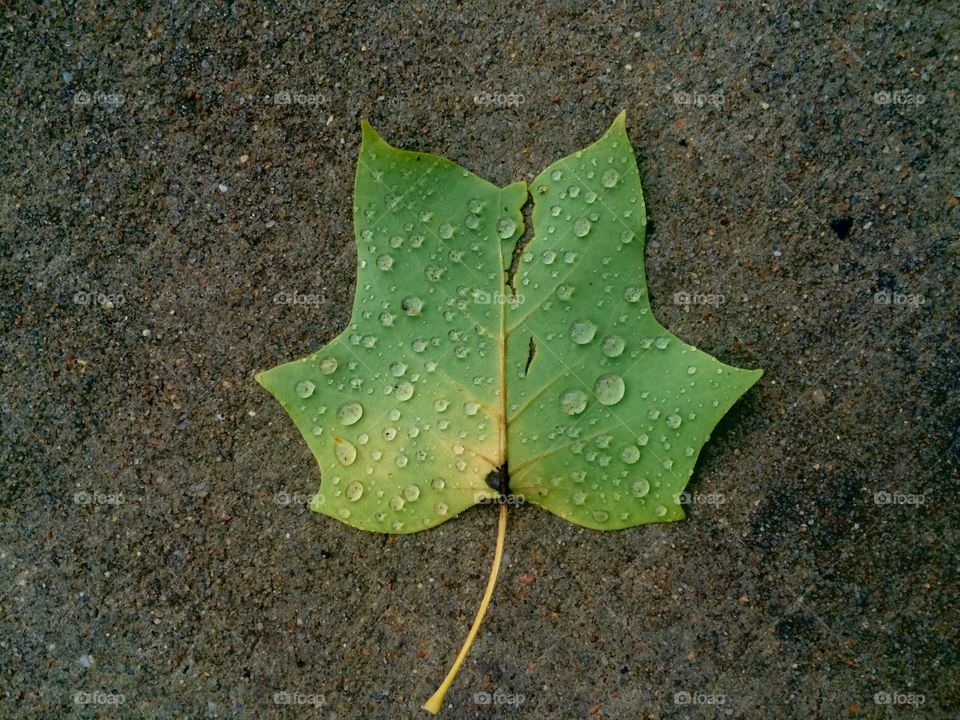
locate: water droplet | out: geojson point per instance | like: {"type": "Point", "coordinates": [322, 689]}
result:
{"type": "Point", "coordinates": [402, 461]}
{"type": "Point", "coordinates": [404, 391]}
{"type": "Point", "coordinates": [600, 516]}
{"type": "Point", "coordinates": [471, 222]}
{"type": "Point", "coordinates": [386, 319]}
{"type": "Point", "coordinates": [582, 331]}
{"type": "Point", "coordinates": [385, 262]}
{"type": "Point", "coordinates": [609, 178]}
{"type": "Point", "coordinates": [433, 272]}
{"type": "Point", "coordinates": [350, 413]}
{"type": "Point", "coordinates": [641, 487]}
{"type": "Point", "coordinates": [397, 503]}
{"type": "Point", "coordinates": [660, 510]}
{"type": "Point", "coordinates": [581, 227]}
{"type": "Point", "coordinates": [612, 346]}
{"type": "Point", "coordinates": [440, 508]}
{"type": "Point", "coordinates": [305, 389]}
{"type": "Point", "coordinates": [438, 483]}
{"type": "Point", "coordinates": [653, 413]}
{"type": "Point", "coordinates": [691, 370]}
{"type": "Point", "coordinates": [573, 402]}
{"type": "Point", "coordinates": [354, 491]}
{"type": "Point", "coordinates": [506, 227]}
{"type": "Point", "coordinates": [642, 439]}
{"type": "Point", "coordinates": [344, 450]}
{"type": "Point", "coordinates": [578, 497]}
{"type": "Point", "coordinates": [471, 408]}
{"type": "Point", "coordinates": [441, 404]}
{"type": "Point", "coordinates": [475, 206]}
{"type": "Point", "coordinates": [411, 493]}
{"type": "Point", "coordinates": [366, 235]}
{"type": "Point", "coordinates": [445, 231]}
{"type": "Point", "coordinates": [548, 257]}
{"type": "Point", "coordinates": [632, 294]}
{"type": "Point", "coordinates": [668, 463]}
{"type": "Point", "coordinates": [609, 389]}
{"type": "Point", "coordinates": [555, 210]}
{"type": "Point", "coordinates": [564, 291]}
{"type": "Point", "coordinates": [626, 236]}
{"type": "Point", "coordinates": [674, 420]}
{"type": "Point", "coordinates": [661, 342]}
{"type": "Point", "coordinates": [630, 454]}
{"type": "Point", "coordinates": [328, 365]}
{"type": "Point", "coordinates": [396, 241]}
{"type": "Point", "coordinates": [397, 369]}
{"type": "Point", "coordinates": [556, 175]}
{"type": "Point", "coordinates": [412, 305]}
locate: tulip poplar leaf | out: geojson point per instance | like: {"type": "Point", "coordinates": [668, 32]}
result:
{"type": "Point", "coordinates": [450, 381]}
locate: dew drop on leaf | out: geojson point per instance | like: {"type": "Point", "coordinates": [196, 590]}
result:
{"type": "Point", "coordinates": [582, 331]}
{"type": "Point", "coordinates": [345, 451]}
{"type": "Point", "coordinates": [506, 227]}
{"type": "Point", "coordinates": [660, 510]}
{"type": "Point", "coordinates": [440, 508]}
{"type": "Point", "coordinates": [573, 401]}
{"type": "Point", "coordinates": [641, 487]}
{"type": "Point", "coordinates": [609, 389]}
{"type": "Point", "coordinates": [581, 227]}
{"type": "Point", "coordinates": [350, 413]}
{"type": "Point", "coordinates": [578, 497]}
{"type": "Point", "coordinates": [632, 294]}
{"type": "Point", "coordinates": [397, 369]}
{"type": "Point", "coordinates": [612, 346]}
{"type": "Point", "coordinates": [609, 178]}
{"type": "Point", "coordinates": [630, 454]}
{"type": "Point", "coordinates": [354, 491]}
{"type": "Point", "coordinates": [674, 420]}
{"type": "Point", "coordinates": [471, 408]}
{"type": "Point", "coordinates": [328, 365]}
{"type": "Point", "coordinates": [445, 231]}
{"type": "Point", "coordinates": [385, 262]}
{"type": "Point", "coordinates": [412, 305]}
{"type": "Point", "coordinates": [600, 516]}
{"type": "Point", "coordinates": [404, 391]}
{"type": "Point", "coordinates": [305, 389]}
{"type": "Point", "coordinates": [411, 493]}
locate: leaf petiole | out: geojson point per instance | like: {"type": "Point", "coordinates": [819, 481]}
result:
{"type": "Point", "coordinates": [433, 704]}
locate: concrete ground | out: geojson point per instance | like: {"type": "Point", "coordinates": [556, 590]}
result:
{"type": "Point", "coordinates": [800, 167]}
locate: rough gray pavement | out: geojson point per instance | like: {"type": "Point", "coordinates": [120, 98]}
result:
{"type": "Point", "coordinates": [800, 167]}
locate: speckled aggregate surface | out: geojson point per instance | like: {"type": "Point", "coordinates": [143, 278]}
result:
{"type": "Point", "coordinates": [169, 228]}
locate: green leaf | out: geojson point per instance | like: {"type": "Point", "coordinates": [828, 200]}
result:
{"type": "Point", "coordinates": [446, 373]}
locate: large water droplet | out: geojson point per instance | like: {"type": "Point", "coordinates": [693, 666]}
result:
{"type": "Point", "coordinates": [630, 454]}
{"type": "Point", "coordinates": [412, 305]}
{"type": "Point", "coordinates": [578, 497]}
{"type": "Point", "coordinates": [600, 516]}
{"type": "Point", "coordinates": [582, 331]}
{"type": "Point", "coordinates": [305, 389]}
{"type": "Point", "coordinates": [440, 508]}
{"type": "Point", "coordinates": [612, 346]}
{"type": "Point", "coordinates": [411, 493]}
{"type": "Point", "coordinates": [609, 178]}
{"type": "Point", "coordinates": [471, 408]}
{"type": "Point", "coordinates": [674, 420]}
{"type": "Point", "coordinates": [581, 227]}
{"type": "Point", "coordinates": [385, 262]}
{"type": "Point", "coordinates": [642, 439]}
{"type": "Point", "coordinates": [404, 391]}
{"type": "Point", "coordinates": [641, 487]}
{"type": "Point", "coordinates": [475, 206]}
{"type": "Point", "coordinates": [573, 402]}
{"type": "Point", "coordinates": [397, 502]}
{"type": "Point", "coordinates": [609, 389]}
{"type": "Point", "coordinates": [445, 231]}
{"type": "Point", "coordinates": [438, 483]}
{"type": "Point", "coordinates": [441, 404]}
{"type": "Point", "coordinates": [556, 175]}
{"type": "Point", "coordinates": [350, 413]}
{"type": "Point", "coordinates": [632, 294]}
{"type": "Point", "coordinates": [354, 491]}
{"type": "Point", "coordinates": [345, 451]}
{"type": "Point", "coordinates": [661, 342]}
{"type": "Point", "coordinates": [660, 510]}
{"type": "Point", "coordinates": [564, 291]}
{"type": "Point", "coordinates": [506, 227]}
{"type": "Point", "coordinates": [397, 369]}
{"type": "Point", "coordinates": [328, 365]}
